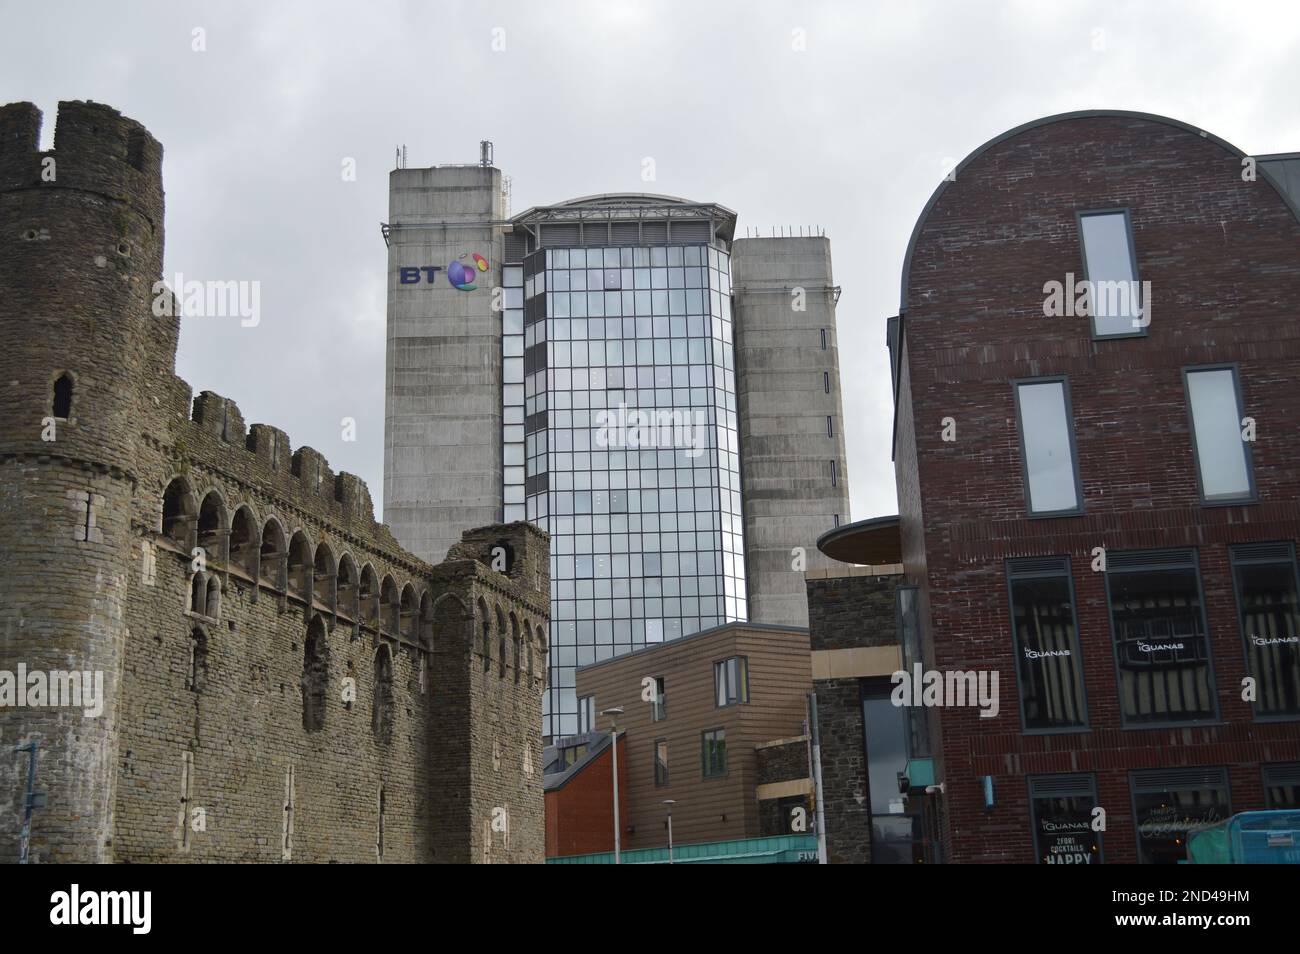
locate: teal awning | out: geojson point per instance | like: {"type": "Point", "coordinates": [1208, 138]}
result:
{"type": "Point", "coordinates": [779, 850]}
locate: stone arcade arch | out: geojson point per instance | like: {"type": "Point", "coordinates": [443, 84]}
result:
{"type": "Point", "coordinates": [180, 514]}
{"type": "Point", "coordinates": [315, 675]}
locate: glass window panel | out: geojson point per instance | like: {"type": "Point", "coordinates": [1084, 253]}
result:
{"type": "Point", "coordinates": [1063, 832]}
{"type": "Point", "coordinates": [1221, 455]}
{"type": "Point", "coordinates": [1047, 447]}
{"type": "Point", "coordinates": [1270, 622]}
{"type": "Point", "coordinates": [1047, 651]}
{"type": "Point", "coordinates": [1160, 645]}
{"type": "Point", "coordinates": [1108, 265]}
{"type": "Point", "coordinates": [1166, 817]}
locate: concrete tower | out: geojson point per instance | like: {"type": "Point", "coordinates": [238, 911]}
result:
{"type": "Point", "coordinates": [81, 238]}
{"type": "Point", "coordinates": [442, 404]}
{"type": "Point", "coordinates": [794, 472]}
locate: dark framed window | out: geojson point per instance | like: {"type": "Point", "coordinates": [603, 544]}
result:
{"type": "Point", "coordinates": [659, 709]}
{"type": "Point", "coordinates": [1045, 629]}
{"type": "Point", "coordinates": [731, 681]}
{"type": "Point", "coordinates": [830, 426]}
{"type": "Point", "coordinates": [1061, 811]}
{"type": "Point", "coordinates": [1049, 464]}
{"type": "Point", "coordinates": [1110, 268]}
{"type": "Point", "coordinates": [1268, 606]}
{"type": "Point", "coordinates": [896, 837]}
{"type": "Point", "coordinates": [586, 714]}
{"type": "Point", "coordinates": [1224, 468]}
{"type": "Point", "coordinates": [661, 762]}
{"type": "Point", "coordinates": [823, 339]}
{"type": "Point", "coordinates": [1162, 646]}
{"type": "Point", "coordinates": [1282, 785]}
{"type": "Point", "coordinates": [713, 753]}
{"type": "Point", "coordinates": [826, 381]}
{"type": "Point", "coordinates": [1171, 804]}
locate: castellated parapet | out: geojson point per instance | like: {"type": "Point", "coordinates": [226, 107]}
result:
{"type": "Point", "coordinates": [281, 680]}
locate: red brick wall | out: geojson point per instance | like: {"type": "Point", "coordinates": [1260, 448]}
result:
{"type": "Point", "coordinates": [1223, 257]}
{"type": "Point", "coordinates": [580, 815]}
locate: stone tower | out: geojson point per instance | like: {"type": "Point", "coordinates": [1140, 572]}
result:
{"type": "Point", "coordinates": [81, 239]}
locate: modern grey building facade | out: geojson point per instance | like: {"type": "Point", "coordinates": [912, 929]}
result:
{"type": "Point", "coordinates": [659, 396]}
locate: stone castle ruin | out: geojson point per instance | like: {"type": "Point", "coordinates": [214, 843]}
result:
{"type": "Point", "coordinates": [280, 680]}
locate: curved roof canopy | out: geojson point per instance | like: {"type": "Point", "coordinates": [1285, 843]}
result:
{"type": "Point", "coordinates": [873, 542]}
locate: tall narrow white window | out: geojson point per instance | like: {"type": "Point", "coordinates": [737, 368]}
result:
{"type": "Point", "coordinates": [1222, 457]}
{"type": "Point", "coordinates": [1047, 447]}
{"type": "Point", "coordinates": [1110, 266]}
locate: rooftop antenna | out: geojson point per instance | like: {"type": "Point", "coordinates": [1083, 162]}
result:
{"type": "Point", "coordinates": [485, 152]}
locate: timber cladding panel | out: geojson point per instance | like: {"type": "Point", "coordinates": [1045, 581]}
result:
{"type": "Point", "coordinates": [706, 809]}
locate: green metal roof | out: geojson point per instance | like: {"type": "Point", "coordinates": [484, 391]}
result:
{"type": "Point", "coordinates": [779, 850]}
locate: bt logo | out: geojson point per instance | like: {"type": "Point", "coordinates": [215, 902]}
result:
{"type": "Point", "coordinates": [460, 273]}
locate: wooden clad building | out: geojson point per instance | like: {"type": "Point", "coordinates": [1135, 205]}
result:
{"type": "Point", "coordinates": [695, 709]}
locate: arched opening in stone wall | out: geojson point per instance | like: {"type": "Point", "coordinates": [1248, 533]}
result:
{"type": "Point", "coordinates": [389, 605]}
{"type": "Point", "coordinates": [517, 649]}
{"type": "Point", "coordinates": [381, 722]}
{"type": "Point", "coordinates": [315, 676]}
{"type": "Point", "coordinates": [501, 644]}
{"type": "Point", "coordinates": [198, 593]}
{"type": "Point", "coordinates": [244, 542]}
{"type": "Point", "coordinates": [273, 554]}
{"type": "Point", "coordinates": [346, 589]}
{"type": "Point", "coordinates": [300, 567]}
{"type": "Point", "coordinates": [485, 635]}
{"type": "Point", "coordinates": [542, 668]}
{"type": "Point", "coordinates": [323, 575]}
{"type": "Point", "coordinates": [212, 604]}
{"type": "Point", "coordinates": [409, 608]}
{"type": "Point", "coordinates": [180, 514]}
{"type": "Point", "coordinates": [369, 596]}
{"type": "Point", "coordinates": [424, 630]}
{"type": "Point", "coordinates": [61, 404]}
{"type": "Point", "coordinates": [212, 523]}
{"type": "Point", "coordinates": [196, 675]}
{"type": "Point", "coordinates": [528, 653]}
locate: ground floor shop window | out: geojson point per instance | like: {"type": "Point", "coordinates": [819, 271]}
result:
{"type": "Point", "coordinates": [1064, 820]}
{"type": "Point", "coordinates": [1170, 805]}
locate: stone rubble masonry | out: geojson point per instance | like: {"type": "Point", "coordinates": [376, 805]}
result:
{"type": "Point", "coordinates": [220, 767]}
{"type": "Point", "coordinates": [784, 784]}
{"type": "Point", "coordinates": [845, 613]}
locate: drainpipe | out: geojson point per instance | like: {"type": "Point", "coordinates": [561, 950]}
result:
{"type": "Point", "coordinates": [817, 778]}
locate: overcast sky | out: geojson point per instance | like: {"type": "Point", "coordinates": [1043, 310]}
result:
{"type": "Point", "coordinates": [837, 115]}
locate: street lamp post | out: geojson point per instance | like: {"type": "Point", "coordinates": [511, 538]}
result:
{"type": "Point", "coordinates": [670, 803]}
{"type": "Point", "coordinates": [613, 741]}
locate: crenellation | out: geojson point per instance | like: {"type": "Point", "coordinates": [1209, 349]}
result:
{"type": "Point", "coordinates": [260, 633]}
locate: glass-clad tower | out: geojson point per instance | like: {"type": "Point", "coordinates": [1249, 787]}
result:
{"type": "Point", "coordinates": [578, 365]}
{"type": "Point", "coordinates": [619, 425]}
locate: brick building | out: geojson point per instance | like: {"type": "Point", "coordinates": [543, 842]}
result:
{"type": "Point", "coordinates": [1103, 509]}
{"type": "Point", "coordinates": [280, 680]}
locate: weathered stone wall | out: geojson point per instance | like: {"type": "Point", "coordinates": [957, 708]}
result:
{"type": "Point", "coordinates": [284, 682]}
